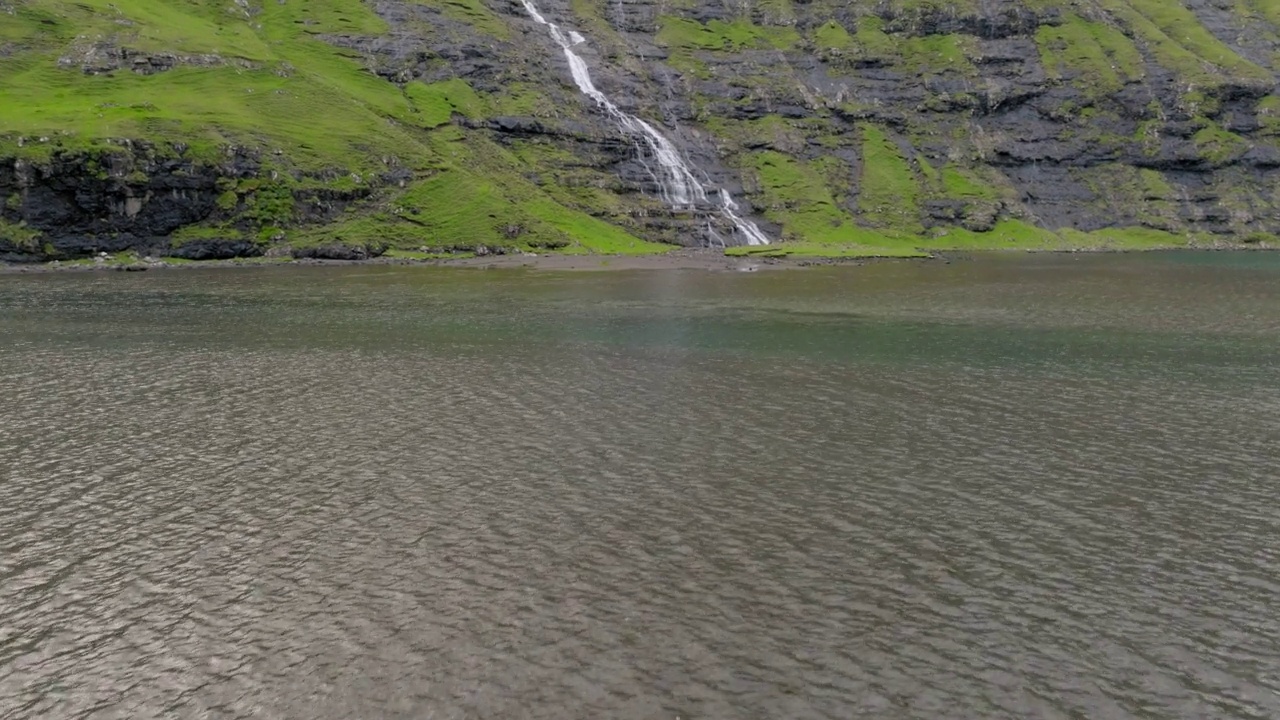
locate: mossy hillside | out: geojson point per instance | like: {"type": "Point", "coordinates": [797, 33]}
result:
{"type": "Point", "coordinates": [891, 186]}
{"type": "Point", "coordinates": [870, 43]}
{"type": "Point", "coordinates": [1101, 44]}
{"type": "Point", "coordinates": [17, 235]}
{"type": "Point", "coordinates": [910, 15]}
{"type": "Point", "coordinates": [313, 111]}
{"type": "Point", "coordinates": [890, 191]}
{"type": "Point", "coordinates": [878, 204]}
{"type": "Point", "coordinates": [795, 195]}
{"type": "Point", "coordinates": [1218, 146]}
{"type": "Point", "coordinates": [475, 14]}
{"type": "Point", "coordinates": [520, 99]}
{"type": "Point", "coordinates": [191, 27]}
{"type": "Point", "coordinates": [1100, 48]}
{"type": "Point", "coordinates": [383, 141]}
{"type": "Point", "coordinates": [1178, 41]}
{"type": "Point", "coordinates": [963, 183]}
{"type": "Point", "coordinates": [867, 43]}
{"type": "Point", "coordinates": [949, 52]}
{"type": "Point", "coordinates": [1182, 26]}
{"type": "Point", "coordinates": [832, 37]}
{"type": "Point", "coordinates": [1269, 115]}
{"type": "Point", "coordinates": [741, 33]}
{"type": "Point", "coordinates": [771, 131]}
{"type": "Point", "coordinates": [1096, 56]}
{"type": "Point", "coordinates": [812, 199]}
{"type": "Point", "coordinates": [1101, 55]}
{"type": "Point", "coordinates": [1266, 9]}
{"type": "Point", "coordinates": [267, 86]}
{"type": "Point", "coordinates": [776, 12]}
{"type": "Point", "coordinates": [479, 197]}
{"type": "Point", "coordinates": [594, 19]}
{"type": "Point", "coordinates": [1089, 48]}
{"type": "Point", "coordinates": [437, 103]}
{"type": "Point", "coordinates": [1137, 196]}
{"type": "Point", "coordinates": [265, 83]}
{"type": "Point", "coordinates": [580, 184]}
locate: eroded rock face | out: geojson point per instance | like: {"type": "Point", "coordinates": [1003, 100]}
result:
{"type": "Point", "coordinates": [136, 196]}
{"type": "Point", "coordinates": [103, 202]}
{"type": "Point", "coordinates": [823, 117]}
{"type": "Point", "coordinates": [1057, 114]}
{"type": "Point", "coordinates": [100, 58]}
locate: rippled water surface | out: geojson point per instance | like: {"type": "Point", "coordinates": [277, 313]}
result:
{"type": "Point", "coordinates": [1001, 488]}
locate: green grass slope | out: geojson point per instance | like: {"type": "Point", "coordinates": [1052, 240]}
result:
{"type": "Point", "coordinates": [79, 77]}
{"type": "Point", "coordinates": [256, 79]}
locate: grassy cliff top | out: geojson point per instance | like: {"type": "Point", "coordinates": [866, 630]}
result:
{"type": "Point", "coordinates": [240, 73]}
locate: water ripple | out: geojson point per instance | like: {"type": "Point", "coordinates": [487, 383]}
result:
{"type": "Point", "coordinates": [595, 528]}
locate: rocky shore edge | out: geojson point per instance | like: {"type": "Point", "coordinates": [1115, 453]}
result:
{"type": "Point", "coordinates": [686, 259]}
{"type": "Point", "coordinates": [711, 260]}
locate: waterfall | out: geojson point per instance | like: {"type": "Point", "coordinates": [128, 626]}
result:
{"type": "Point", "coordinates": [674, 177]}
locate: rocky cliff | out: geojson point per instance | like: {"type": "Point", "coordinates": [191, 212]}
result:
{"type": "Point", "coordinates": [212, 129]}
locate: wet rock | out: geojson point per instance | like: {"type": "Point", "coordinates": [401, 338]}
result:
{"type": "Point", "coordinates": [338, 251]}
{"type": "Point", "coordinates": [216, 249]}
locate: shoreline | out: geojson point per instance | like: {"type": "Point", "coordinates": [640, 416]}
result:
{"type": "Point", "coordinates": [687, 259]}
{"type": "Point", "coordinates": [705, 260]}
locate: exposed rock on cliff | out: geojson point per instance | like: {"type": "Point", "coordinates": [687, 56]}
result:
{"type": "Point", "coordinates": [225, 128]}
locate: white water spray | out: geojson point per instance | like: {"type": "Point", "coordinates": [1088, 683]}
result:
{"type": "Point", "coordinates": [675, 179]}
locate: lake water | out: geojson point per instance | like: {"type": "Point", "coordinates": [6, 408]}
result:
{"type": "Point", "coordinates": [1010, 487]}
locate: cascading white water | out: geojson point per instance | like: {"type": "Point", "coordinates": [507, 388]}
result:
{"type": "Point", "coordinates": [744, 226]}
{"type": "Point", "coordinates": [675, 179]}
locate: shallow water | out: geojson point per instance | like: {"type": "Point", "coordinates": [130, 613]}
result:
{"type": "Point", "coordinates": [1010, 487]}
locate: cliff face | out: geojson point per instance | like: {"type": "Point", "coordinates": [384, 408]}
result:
{"type": "Point", "coordinates": [229, 128]}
